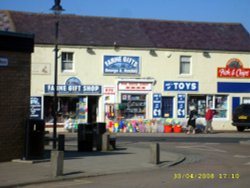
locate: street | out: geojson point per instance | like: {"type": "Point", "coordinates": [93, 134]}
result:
{"type": "Point", "coordinates": [223, 163]}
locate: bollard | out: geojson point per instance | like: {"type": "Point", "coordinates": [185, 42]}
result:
{"type": "Point", "coordinates": [61, 141]}
{"type": "Point", "coordinates": [56, 161]}
{"type": "Point", "coordinates": [155, 153]}
{"type": "Point", "coordinates": [105, 142]}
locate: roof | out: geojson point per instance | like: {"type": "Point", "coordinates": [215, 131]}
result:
{"type": "Point", "coordinates": [18, 42]}
{"type": "Point", "coordinates": [138, 33]}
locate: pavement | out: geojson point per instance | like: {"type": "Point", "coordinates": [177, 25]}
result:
{"type": "Point", "coordinates": [84, 164]}
{"type": "Point", "coordinates": [87, 164]}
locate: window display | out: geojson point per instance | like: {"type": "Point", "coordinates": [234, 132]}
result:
{"type": "Point", "coordinates": [74, 108]}
{"type": "Point", "coordinates": [221, 106]}
{"type": "Point", "coordinates": [216, 102]}
{"type": "Point", "coordinates": [67, 107]}
{"type": "Point", "coordinates": [134, 106]}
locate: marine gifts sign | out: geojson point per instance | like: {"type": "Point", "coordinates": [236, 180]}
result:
{"type": "Point", "coordinates": [73, 86]}
{"type": "Point", "coordinates": [121, 65]}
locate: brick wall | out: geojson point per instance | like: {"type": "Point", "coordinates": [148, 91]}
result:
{"type": "Point", "coordinates": [14, 103]}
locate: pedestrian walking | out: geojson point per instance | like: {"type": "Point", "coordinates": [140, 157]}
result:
{"type": "Point", "coordinates": [209, 118]}
{"type": "Point", "coordinates": [192, 121]}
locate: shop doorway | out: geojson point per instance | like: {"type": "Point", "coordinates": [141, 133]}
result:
{"type": "Point", "coordinates": [92, 108]}
{"type": "Point", "coordinates": [167, 106]}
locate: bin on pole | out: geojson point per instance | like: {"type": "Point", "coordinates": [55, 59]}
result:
{"type": "Point", "coordinates": [34, 139]}
{"type": "Point", "coordinates": [85, 137]}
{"type": "Point", "coordinates": [99, 130]}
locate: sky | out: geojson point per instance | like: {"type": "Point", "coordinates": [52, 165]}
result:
{"type": "Point", "coordinates": [228, 11]}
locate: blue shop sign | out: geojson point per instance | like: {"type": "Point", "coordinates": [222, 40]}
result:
{"type": "Point", "coordinates": [35, 107]}
{"type": "Point", "coordinates": [181, 98]}
{"type": "Point", "coordinates": [73, 81]}
{"type": "Point", "coordinates": [73, 89]}
{"type": "Point", "coordinates": [121, 65]}
{"type": "Point", "coordinates": [156, 105]}
{"type": "Point", "coordinates": [181, 86]}
{"type": "Point", "coordinates": [233, 87]}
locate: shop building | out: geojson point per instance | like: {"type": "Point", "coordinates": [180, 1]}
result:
{"type": "Point", "coordinates": [135, 68]}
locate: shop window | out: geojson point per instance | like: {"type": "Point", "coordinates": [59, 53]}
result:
{"type": "Point", "coordinates": [67, 61]}
{"type": "Point", "coordinates": [221, 106]}
{"type": "Point", "coordinates": [167, 107]}
{"type": "Point", "coordinates": [185, 65]}
{"type": "Point", "coordinates": [67, 107]}
{"type": "Point", "coordinates": [246, 100]}
{"type": "Point", "coordinates": [197, 102]}
{"type": "Point", "coordinates": [133, 106]}
{"type": "Point", "coordinates": [216, 102]}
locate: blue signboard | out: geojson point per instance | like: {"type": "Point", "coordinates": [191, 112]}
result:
{"type": "Point", "coordinates": [233, 87]}
{"type": "Point", "coordinates": [181, 86]}
{"type": "Point", "coordinates": [156, 105]}
{"type": "Point", "coordinates": [121, 64]}
{"type": "Point", "coordinates": [181, 98]}
{"type": "Point", "coordinates": [35, 107]}
{"type": "Point", "coordinates": [73, 89]}
{"type": "Point", "coordinates": [73, 81]}
{"type": "Point", "coordinates": [73, 86]}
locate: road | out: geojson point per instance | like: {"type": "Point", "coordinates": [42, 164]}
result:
{"type": "Point", "coordinates": [219, 161]}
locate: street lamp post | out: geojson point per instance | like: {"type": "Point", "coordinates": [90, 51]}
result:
{"type": "Point", "coordinates": [57, 9]}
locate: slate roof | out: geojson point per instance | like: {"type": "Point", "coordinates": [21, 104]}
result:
{"type": "Point", "coordinates": [141, 33]}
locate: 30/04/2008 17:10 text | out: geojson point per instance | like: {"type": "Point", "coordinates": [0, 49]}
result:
{"type": "Point", "coordinates": [178, 176]}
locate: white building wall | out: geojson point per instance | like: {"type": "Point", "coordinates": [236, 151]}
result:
{"type": "Point", "coordinates": [162, 66]}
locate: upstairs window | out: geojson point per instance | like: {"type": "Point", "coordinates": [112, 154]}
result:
{"type": "Point", "coordinates": [67, 61]}
{"type": "Point", "coordinates": [185, 65]}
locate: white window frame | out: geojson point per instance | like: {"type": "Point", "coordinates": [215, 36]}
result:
{"type": "Point", "coordinates": [185, 59]}
{"type": "Point", "coordinates": [246, 100]}
{"type": "Point", "coordinates": [67, 60]}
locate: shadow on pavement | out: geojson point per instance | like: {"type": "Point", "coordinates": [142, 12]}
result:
{"type": "Point", "coordinates": [72, 154]}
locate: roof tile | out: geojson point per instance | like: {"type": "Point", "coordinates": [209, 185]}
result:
{"type": "Point", "coordinates": [104, 31]}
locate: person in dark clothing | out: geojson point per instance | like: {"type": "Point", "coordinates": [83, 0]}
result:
{"type": "Point", "coordinates": [192, 121]}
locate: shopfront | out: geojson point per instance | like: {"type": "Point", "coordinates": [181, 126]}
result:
{"type": "Point", "coordinates": [75, 101]}
{"type": "Point", "coordinates": [134, 96]}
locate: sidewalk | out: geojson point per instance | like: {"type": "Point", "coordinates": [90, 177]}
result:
{"type": "Point", "coordinates": [84, 164]}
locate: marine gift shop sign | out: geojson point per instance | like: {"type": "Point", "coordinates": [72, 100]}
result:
{"type": "Point", "coordinates": [181, 86]}
{"type": "Point", "coordinates": [121, 65]}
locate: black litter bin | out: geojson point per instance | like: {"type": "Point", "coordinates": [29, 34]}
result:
{"type": "Point", "coordinates": [99, 130]}
{"type": "Point", "coordinates": [34, 139]}
{"type": "Point", "coordinates": [85, 137]}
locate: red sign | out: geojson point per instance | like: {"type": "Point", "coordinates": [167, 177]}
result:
{"type": "Point", "coordinates": [233, 69]}
{"type": "Point", "coordinates": [109, 90]}
{"type": "Point", "coordinates": [135, 86]}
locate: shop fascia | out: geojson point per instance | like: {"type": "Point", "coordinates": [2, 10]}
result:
{"type": "Point", "coordinates": [234, 69]}
{"type": "Point", "coordinates": [73, 86]}
{"type": "Point", "coordinates": [136, 84]}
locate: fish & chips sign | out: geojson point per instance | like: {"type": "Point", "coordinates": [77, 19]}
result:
{"type": "Point", "coordinates": [234, 69]}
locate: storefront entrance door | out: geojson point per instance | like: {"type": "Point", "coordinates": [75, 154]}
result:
{"type": "Point", "coordinates": [167, 107]}
{"type": "Point", "coordinates": [92, 108]}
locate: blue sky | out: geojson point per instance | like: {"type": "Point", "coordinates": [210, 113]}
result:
{"type": "Point", "coordinates": [188, 10]}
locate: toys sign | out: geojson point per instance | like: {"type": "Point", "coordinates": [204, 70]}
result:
{"type": "Point", "coordinates": [180, 86]}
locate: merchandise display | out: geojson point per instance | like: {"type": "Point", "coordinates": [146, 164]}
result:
{"type": "Point", "coordinates": [163, 125]}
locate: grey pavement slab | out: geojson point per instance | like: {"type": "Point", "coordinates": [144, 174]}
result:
{"type": "Point", "coordinates": [84, 164]}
